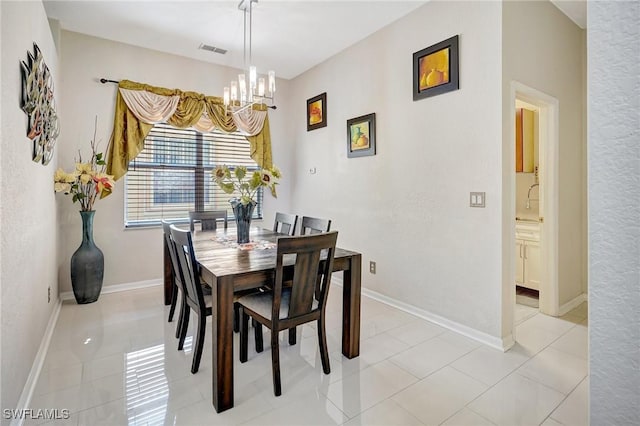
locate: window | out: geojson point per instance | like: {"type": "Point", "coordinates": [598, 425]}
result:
{"type": "Point", "coordinates": [172, 174]}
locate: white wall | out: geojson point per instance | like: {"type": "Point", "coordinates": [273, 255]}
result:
{"type": "Point", "coordinates": [614, 210]}
{"type": "Point", "coordinates": [28, 219]}
{"type": "Point", "coordinates": [543, 49]}
{"type": "Point", "coordinates": [136, 254]}
{"type": "Point", "coordinates": [407, 208]}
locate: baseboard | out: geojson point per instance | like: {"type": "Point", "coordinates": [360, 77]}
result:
{"type": "Point", "coordinates": [572, 304]}
{"type": "Point", "coordinates": [68, 295]}
{"type": "Point", "coordinates": [502, 344]}
{"type": "Point", "coordinates": [36, 368]}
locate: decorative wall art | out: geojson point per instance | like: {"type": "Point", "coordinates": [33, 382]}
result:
{"type": "Point", "coordinates": [361, 136]}
{"type": "Point", "coordinates": [317, 112]}
{"type": "Point", "coordinates": [435, 69]}
{"type": "Point", "coordinates": [38, 103]}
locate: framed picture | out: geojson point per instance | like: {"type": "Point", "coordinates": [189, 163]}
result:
{"type": "Point", "coordinates": [435, 69]}
{"type": "Point", "coordinates": [317, 112]}
{"type": "Point", "coordinates": [361, 136]}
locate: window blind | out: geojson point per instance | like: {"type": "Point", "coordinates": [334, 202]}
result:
{"type": "Point", "coordinates": [172, 175]}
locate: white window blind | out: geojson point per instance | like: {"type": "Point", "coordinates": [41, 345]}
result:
{"type": "Point", "coordinates": [172, 174]}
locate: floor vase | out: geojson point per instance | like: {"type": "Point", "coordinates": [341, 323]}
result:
{"type": "Point", "coordinates": [87, 264]}
{"type": "Point", "coordinates": [243, 214]}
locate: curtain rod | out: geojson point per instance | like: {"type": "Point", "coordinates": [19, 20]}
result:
{"type": "Point", "coordinates": [104, 81]}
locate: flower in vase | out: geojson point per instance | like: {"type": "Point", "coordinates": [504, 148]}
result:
{"type": "Point", "coordinates": [245, 185]}
{"type": "Point", "coordinates": [87, 181]}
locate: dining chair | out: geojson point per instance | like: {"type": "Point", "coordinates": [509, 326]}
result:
{"type": "Point", "coordinates": [170, 247]}
{"type": "Point", "coordinates": [314, 225]}
{"type": "Point", "coordinates": [285, 223]}
{"type": "Point", "coordinates": [208, 219]}
{"type": "Point", "coordinates": [311, 225]}
{"type": "Point", "coordinates": [287, 307]}
{"type": "Point", "coordinates": [194, 298]}
{"type": "Point", "coordinates": [177, 283]}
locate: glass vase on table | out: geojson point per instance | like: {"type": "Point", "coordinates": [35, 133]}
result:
{"type": "Point", "coordinates": [243, 214]}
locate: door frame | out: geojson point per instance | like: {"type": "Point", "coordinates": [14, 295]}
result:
{"type": "Point", "coordinates": [548, 154]}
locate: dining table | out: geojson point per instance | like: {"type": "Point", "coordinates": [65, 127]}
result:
{"type": "Point", "coordinates": [229, 267]}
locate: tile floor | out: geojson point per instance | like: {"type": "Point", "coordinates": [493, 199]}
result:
{"type": "Point", "coordinates": [115, 362]}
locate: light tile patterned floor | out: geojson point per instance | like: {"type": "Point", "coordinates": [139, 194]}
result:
{"type": "Point", "coordinates": [115, 362]}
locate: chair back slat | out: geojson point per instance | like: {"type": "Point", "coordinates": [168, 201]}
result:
{"type": "Point", "coordinates": [285, 223]}
{"type": "Point", "coordinates": [188, 266]}
{"type": "Point", "coordinates": [208, 219]}
{"type": "Point", "coordinates": [309, 269]}
{"type": "Point", "coordinates": [305, 276]}
{"type": "Point", "coordinates": [314, 225]}
{"type": "Point", "coordinates": [175, 274]}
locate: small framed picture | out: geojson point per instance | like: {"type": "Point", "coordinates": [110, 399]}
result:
{"type": "Point", "coordinates": [361, 136]}
{"type": "Point", "coordinates": [317, 112]}
{"type": "Point", "coordinates": [435, 69]}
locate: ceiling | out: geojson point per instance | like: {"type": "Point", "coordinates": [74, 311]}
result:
{"type": "Point", "coordinates": [289, 37]}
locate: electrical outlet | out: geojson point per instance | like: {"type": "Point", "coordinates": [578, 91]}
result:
{"type": "Point", "coordinates": [372, 267]}
{"type": "Point", "coordinates": [49, 294]}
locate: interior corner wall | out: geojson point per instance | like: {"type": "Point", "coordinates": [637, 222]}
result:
{"type": "Point", "coordinates": [133, 255]}
{"type": "Point", "coordinates": [407, 207]}
{"type": "Point", "coordinates": [543, 49]}
{"type": "Point", "coordinates": [28, 265]}
{"type": "Point", "coordinates": [614, 229]}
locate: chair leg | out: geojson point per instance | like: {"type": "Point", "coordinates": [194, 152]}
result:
{"type": "Point", "coordinates": [183, 303]}
{"type": "Point", "coordinates": [292, 336]}
{"type": "Point", "coordinates": [197, 351]}
{"type": "Point", "coordinates": [236, 317]}
{"type": "Point", "coordinates": [275, 363]}
{"type": "Point", "coordinates": [322, 341]}
{"type": "Point", "coordinates": [174, 300]}
{"type": "Point", "coordinates": [185, 313]}
{"type": "Point", "coordinates": [244, 338]}
{"type": "Point", "coordinates": [257, 330]}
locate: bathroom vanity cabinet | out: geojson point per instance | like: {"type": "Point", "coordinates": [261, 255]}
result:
{"type": "Point", "coordinates": [528, 254]}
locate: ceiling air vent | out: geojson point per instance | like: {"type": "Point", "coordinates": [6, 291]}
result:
{"type": "Point", "coordinates": [212, 49]}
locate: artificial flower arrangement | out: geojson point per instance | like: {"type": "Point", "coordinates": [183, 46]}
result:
{"type": "Point", "coordinates": [88, 181]}
{"type": "Point", "coordinates": [246, 186]}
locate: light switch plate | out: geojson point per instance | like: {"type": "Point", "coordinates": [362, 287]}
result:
{"type": "Point", "coordinates": [477, 199]}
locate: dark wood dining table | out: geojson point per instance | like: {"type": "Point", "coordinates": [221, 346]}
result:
{"type": "Point", "coordinates": [228, 269]}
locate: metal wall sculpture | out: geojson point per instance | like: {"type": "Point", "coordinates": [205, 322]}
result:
{"type": "Point", "coordinates": [39, 105]}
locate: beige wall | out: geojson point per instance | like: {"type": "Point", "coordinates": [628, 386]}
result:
{"type": "Point", "coordinates": [544, 50]}
{"type": "Point", "coordinates": [28, 218]}
{"type": "Point", "coordinates": [136, 254]}
{"type": "Point", "coordinates": [407, 208]}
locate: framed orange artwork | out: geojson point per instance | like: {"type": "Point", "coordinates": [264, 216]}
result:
{"type": "Point", "coordinates": [317, 112]}
{"type": "Point", "coordinates": [435, 69]}
{"type": "Point", "coordinates": [361, 136]}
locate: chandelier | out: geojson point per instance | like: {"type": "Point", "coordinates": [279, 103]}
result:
{"type": "Point", "coordinates": [243, 94]}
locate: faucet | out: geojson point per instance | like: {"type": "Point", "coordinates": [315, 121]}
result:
{"type": "Point", "coordinates": [528, 206]}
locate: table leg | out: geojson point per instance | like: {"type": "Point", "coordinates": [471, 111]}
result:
{"type": "Point", "coordinates": [222, 343]}
{"type": "Point", "coordinates": [351, 288]}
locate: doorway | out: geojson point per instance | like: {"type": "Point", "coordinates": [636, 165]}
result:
{"type": "Point", "coordinates": [548, 141]}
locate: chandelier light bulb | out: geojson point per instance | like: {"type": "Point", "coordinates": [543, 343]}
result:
{"type": "Point", "coordinates": [272, 82]}
{"type": "Point", "coordinates": [261, 86]}
{"type": "Point", "coordinates": [242, 83]}
{"type": "Point", "coordinates": [226, 96]}
{"type": "Point", "coordinates": [234, 90]}
{"type": "Point", "coordinates": [253, 74]}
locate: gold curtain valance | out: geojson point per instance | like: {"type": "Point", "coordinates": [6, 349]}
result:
{"type": "Point", "coordinates": [139, 106]}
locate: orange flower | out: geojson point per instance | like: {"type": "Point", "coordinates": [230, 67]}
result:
{"type": "Point", "coordinates": [103, 182]}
